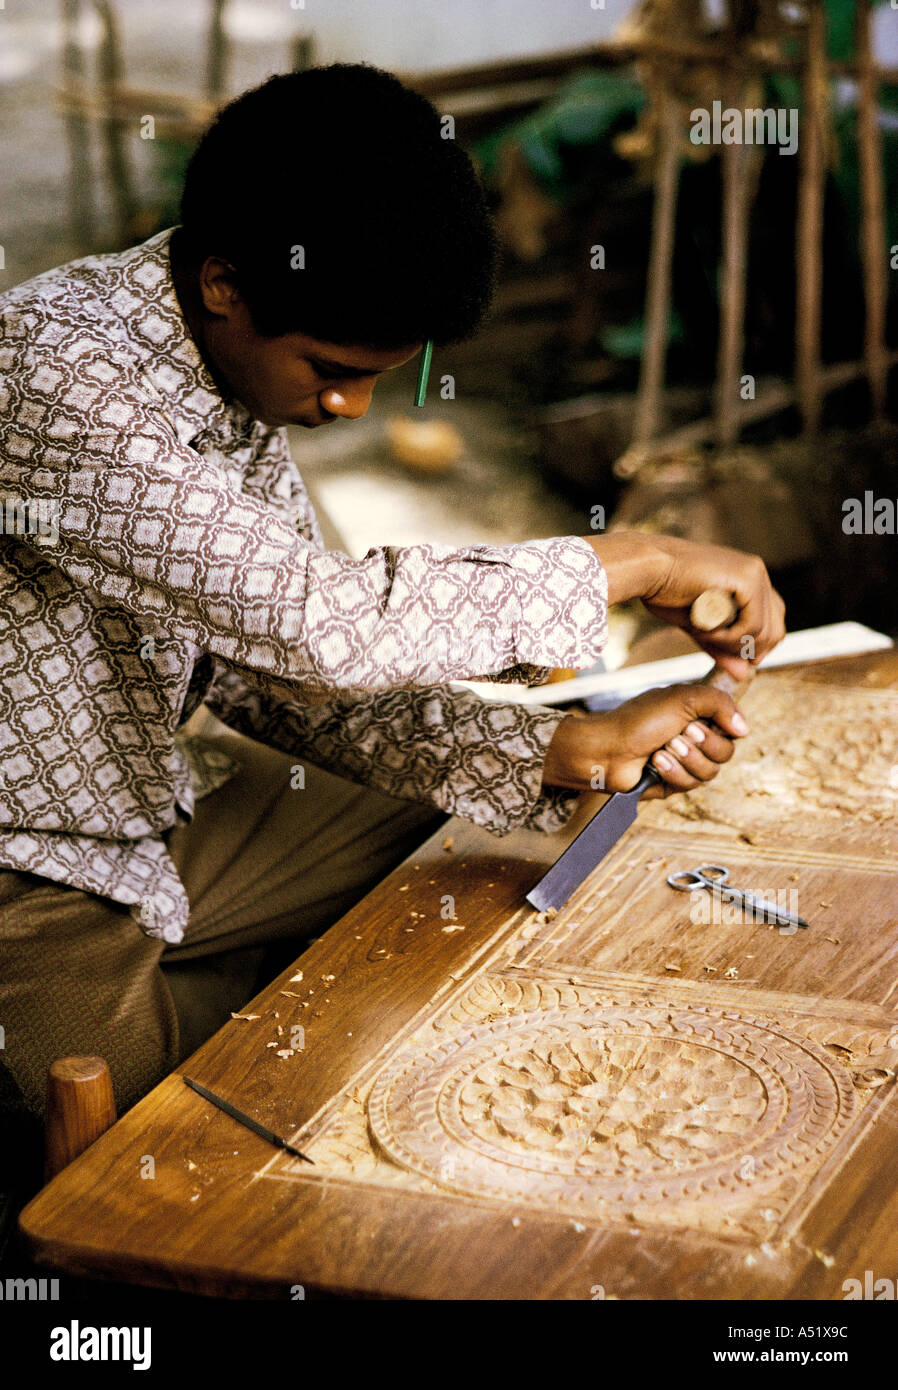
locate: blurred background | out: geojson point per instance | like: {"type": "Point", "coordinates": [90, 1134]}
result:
{"type": "Point", "coordinates": [690, 339]}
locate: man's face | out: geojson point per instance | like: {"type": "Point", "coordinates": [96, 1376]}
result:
{"type": "Point", "coordinates": [292, 379]}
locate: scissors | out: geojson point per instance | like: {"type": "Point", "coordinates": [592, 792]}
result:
{"type": "Point", "coordinates": [715, 877]}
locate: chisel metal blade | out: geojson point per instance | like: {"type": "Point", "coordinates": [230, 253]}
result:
{"type": "Point", "coordinates": [590, 846]}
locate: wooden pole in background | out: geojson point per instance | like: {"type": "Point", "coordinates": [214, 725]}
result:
{"type": "Point", "coordinates": [736, 171]}
{"type": "Point", "coordinates": [115, 130]}
{"type": "Point", "coordinates": [873, 219]}
{"type": "Point", "coordinates": [809, 232]}
{"type": "Point", "coordinates": [657, 306]}
{"type": "Point", "coordinates": [80, 173]}
{"type": "Point", "coordinates": [217, 59]}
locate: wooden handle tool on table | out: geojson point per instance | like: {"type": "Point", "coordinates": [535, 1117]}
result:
{"type": "Point", "coordinates": [80, 1107]}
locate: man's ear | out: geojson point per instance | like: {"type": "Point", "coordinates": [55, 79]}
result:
{"type": "Point", "coordinates": [218, 287]}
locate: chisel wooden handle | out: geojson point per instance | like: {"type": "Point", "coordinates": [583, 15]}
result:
{"type": "Point", "coordinates": [722, 680]}
{"type": "Point", "coordinates": [712, 609]}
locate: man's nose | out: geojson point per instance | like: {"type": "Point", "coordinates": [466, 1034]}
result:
{"type": "Point", "coordinates": [351, 401]}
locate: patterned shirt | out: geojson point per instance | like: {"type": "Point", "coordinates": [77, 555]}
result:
{"type": "Point", "coordinates": [158, 550]}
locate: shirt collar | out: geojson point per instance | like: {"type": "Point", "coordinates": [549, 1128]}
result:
{"type": "Point", "coordinates": [170, 360]}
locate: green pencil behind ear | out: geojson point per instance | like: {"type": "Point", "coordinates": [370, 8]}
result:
{"type": "Point", "coordinates": [423, 372]}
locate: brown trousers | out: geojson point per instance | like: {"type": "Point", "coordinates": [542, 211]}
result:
{"type": "Point", "coordinates": [262, 863]}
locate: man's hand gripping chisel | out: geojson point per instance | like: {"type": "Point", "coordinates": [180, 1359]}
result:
{"type": "Point", "coordinates": [711, 609]}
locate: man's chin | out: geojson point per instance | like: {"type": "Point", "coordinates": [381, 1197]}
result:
{"type": "Point", "coordinates": [275, 419]}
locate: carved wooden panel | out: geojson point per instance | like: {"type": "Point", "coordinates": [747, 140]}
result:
{"type": "Point", "coordinates": [611, 1097]}
{"type": "Point", "coordinates": [607, 1104]}
{"type": "Point", "coordinates": [637, 1093]}
{"type": "Point", "coordinates": [627, 1061]}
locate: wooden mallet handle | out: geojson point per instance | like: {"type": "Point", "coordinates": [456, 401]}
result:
{"type": "Point", "coordinates": [80, 1107]}
{"type": "Point", "coordinates": [712, 609]}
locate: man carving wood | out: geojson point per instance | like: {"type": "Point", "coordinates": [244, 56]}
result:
{"type": "Point", "coordinates": [144, 399]}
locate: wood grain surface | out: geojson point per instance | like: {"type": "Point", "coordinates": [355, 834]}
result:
{"type": "Point", "coordinates": [632, 1097]}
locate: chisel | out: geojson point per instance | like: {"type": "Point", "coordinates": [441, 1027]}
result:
{"type": "Point", "coordinates": [619, 811]}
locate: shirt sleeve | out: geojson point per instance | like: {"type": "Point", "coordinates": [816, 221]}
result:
{"type": "Point", "coordinates": [470, 757]}
{"type": "Point", "coordinates": [150, 524]}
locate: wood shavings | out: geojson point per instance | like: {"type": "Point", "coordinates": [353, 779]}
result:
{"type": "Point", "coordinates": [286, 1052]}
{"type": "Point", "coordinates": [674, 969]}
{"type": "Point", "coordinates": [295, 979]}
{"type": "Point", "coordinates": [291, 993]}
{"type": "Point", "coordinates": [328, 978]}
{"type": "Point", "coordinates": [453, 926]}
{"type": "Point", "coordinates": [448, 844]}
{"type": "Point", "coordinates": [578, 1227]}
{"type": "Point", "coordinates": [190, 1165]}
{"type": "Point", "coordinates": [824, 904]}
{"type": "Point", "coordinates": [834, 939]}
{"type": "Point", "coordinates": [271, 1044]}
{"type": "Point", "coordinates": [710, 969]}
{"type": "Point", "coordinates": [403, 889]}
{"type": "Point", "coordinates": [248, 1018]}
{"type": "Point", "coordinates": [824, 1258]}
{"type": "Point", "coordinates": [731, 973]}
{"type": "Point", "coordinates": [873, 1078]}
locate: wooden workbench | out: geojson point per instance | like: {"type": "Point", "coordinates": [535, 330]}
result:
{"type": "Point", "coordinates": [621, 1102]}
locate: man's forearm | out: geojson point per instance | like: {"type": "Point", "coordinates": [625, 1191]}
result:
{"type": "Point", "coordinates": [470, 757]}
{"type": "Point", "coordinates": [633, 564]}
